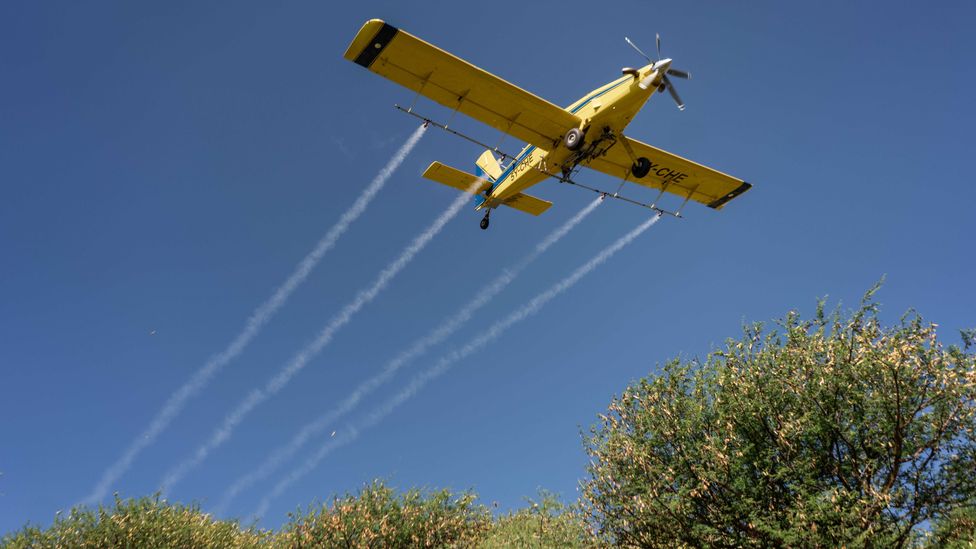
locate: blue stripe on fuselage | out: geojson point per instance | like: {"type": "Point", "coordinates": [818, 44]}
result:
{"type": "Point", "coordinates": [597, 94]}
{"type": "Point", "coordinates": [511, 166]}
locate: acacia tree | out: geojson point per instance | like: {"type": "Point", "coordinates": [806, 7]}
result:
{"type": "Point", "coordinates": [819, 432]}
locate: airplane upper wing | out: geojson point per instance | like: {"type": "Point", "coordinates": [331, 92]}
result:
{"type": "Point", "coordinates": [677, 175]}
{"type": "Point", "coordinates": [457, 84]}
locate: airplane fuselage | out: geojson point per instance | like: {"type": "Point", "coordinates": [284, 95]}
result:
{"type": "Point", "coordinates": [604, 112]}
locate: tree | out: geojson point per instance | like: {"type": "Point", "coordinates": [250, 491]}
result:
{"type": "Point", "coordinates": [956, 530]}
{"type": "Point", "coordinates": [822, 432]}
{"type": "Point", "coordinates": [379, 517]}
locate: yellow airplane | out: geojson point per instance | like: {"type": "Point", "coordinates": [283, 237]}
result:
{"type": "Point", "coordinates": [588, 133]}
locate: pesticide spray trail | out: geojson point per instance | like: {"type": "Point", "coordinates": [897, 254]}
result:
{"type": "Point", "coordinates": [279, 381]}
{"type": "Point", "coordinates": [174, 405]}
{"type": "Point", "coordinates": [448, 327]}
{"type": "Point", "coordinates": [448, 360]}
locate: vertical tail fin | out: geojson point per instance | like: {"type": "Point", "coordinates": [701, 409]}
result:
{"type": "Point", "coordinates": [488, 166]}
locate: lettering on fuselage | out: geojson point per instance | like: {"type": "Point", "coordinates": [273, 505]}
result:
{"type": "Point", "coordinates": [523, 165]}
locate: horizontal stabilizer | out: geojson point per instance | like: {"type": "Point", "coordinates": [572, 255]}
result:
{"type": "Point", "coordinates": [528, 204]}
{"type": "Point", "coordinates": [453, 177]}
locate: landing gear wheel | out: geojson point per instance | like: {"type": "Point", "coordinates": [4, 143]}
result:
{"type": "Point", "coordinates": [641, 167]}
{"type": "Point", "coordinates": [574, 139]}
{"type": "Point", "coordinates": [484, 221]}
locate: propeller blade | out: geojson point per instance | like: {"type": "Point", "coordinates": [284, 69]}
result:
{"type": "Point", "coordinates": [658, 36]}
{"type": "Point", "coordinates": [674, 94]}
{"type": "Point", "coordinates": [633, 45]}
{"type": "Point", "coordinates": [679, 74]}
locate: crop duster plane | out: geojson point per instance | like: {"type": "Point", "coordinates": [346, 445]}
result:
{"type": "Point", "coordinates": [588, 133]}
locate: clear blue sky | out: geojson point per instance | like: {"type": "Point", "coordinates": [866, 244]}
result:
{"type": "Point", "coordinates": [164, 167]}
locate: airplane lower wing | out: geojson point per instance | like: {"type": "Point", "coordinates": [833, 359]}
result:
{"type": "Point", "coordinates": [457, 84]}
{"type": "Point", "coordinates": [671, 173]}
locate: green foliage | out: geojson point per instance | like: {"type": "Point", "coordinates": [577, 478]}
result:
{"type": "Point", "coordinates": [957, 530]}
{"type": "Point", "coordinates": [827, 432]}
{"type": "Point", "coordinates": [145, 522]}
{"type": "Point", "coordinates": [545, 523]}
{"type": "Point", "coordinates": [375, 517]}
{"type": "Point", "coordinates": [378, 517]}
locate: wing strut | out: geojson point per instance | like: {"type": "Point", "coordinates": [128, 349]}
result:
{"type": "Point", "coordinates": [423, 85]}
{"type": "Point", "coordinates": [621, 186]}
{"type": "Point", "coordinates": [660, 194]}
{"type": "Point", "coordinates": [687, 198]}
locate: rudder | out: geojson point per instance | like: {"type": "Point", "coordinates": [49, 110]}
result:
{"type": "Point", "coordinates": [488, 166]}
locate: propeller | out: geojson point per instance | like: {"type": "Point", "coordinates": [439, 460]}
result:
{"type": "Point", "coordinates": [640, 51]}
{"type": "Point", "coordinates": [665, 81]}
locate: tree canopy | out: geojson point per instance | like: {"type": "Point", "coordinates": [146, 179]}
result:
{"type": "Point", "coordinates": [823, 432]}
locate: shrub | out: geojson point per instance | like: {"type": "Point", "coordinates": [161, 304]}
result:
{"type": "Point", "coordinates": [378, 517]}
{"type": "Point", "coordinates": [144, 522]}
{"type": "Point", "coordinates": [545, 523]}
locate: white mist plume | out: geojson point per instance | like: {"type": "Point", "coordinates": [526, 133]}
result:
{"type": "Point", "coordinates": [448, 360]}
{"type": "Point", "coordinates": [175, 403]}
{"type": "Point", "coordinates": [419, 347]}
{"type": "Point", "coordinates": [281, 379]}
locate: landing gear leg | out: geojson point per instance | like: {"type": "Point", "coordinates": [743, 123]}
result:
{"type": "Point", "coordinates": [484, 220]}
